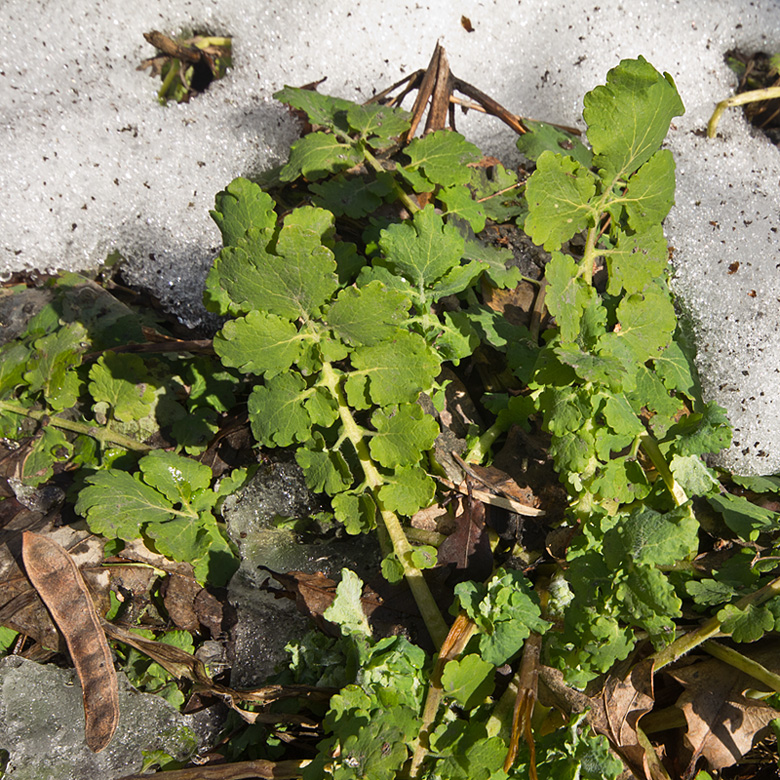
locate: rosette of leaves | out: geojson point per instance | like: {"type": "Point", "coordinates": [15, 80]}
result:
{"type": "Point", "coordinates": [340, 367]}
{"type": "Point", "coordinates": [338, 371]}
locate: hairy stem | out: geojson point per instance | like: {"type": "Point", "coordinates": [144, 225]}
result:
{"type": "Point", "coordinates": [419, 587]}
{"type": "Point", "coordinates": [103, 435]}
{"type": "Point", "coordinates": [403, 196]}
{"type": "Point", "coordinates": [653, 451]}
{"type": "Point", "coordinates": [711, 627]}
{"type": "Point", "coordinates": [590, 254]}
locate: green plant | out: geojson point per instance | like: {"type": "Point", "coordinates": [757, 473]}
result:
{"type": "Point", "coordinates": [93, 412]}
{"type": "Point", "coordinates": [349, 277]}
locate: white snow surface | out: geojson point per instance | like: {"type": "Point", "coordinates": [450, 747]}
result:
{"type": "Point", "coordinates": [90, 163]}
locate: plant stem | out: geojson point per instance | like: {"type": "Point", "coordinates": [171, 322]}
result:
{"type": "Point", "coordinates": [403, 196]}
{"type": "Point", "coordinates": [453, 645]}
{"type": "Point", "coordinates": [482, 445]}
{"type": "Point", "coordinates": [742, 99]}
{"type": "Point", "coordinates": [711, 627]}
{"type": "Point", "coordinates": [590, 254]}
{"type": "Point", "coordinates": [434, 621]}
{"type": "Point", "coordinates": [173, 72]}
{"type": "Point", "coordinates": [730, 656]}
{"type": "Point", "coordinates": [653, 451]}
{"type": "Point", "coordinates": [103, 435]}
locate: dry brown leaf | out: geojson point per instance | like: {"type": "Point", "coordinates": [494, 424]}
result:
{"type": "Point", "coordinates": [614, 711]}
{"type": "Point", "coordinates": [182, 665]}
{"type": "Point", "coordinates": [190, 606]}
{"type": "Point", "coordinates": [626, 700]}
{"type": "Point", "coordinates": [61, 587]}
{"type": "Point", "coordinates": [723, 723]}
{"type": "Point", "coordinates": [468, 547]}
{"type": "Point", "coordinates": [314, 593]}
{"type": "Point", "coordinates": [514, 304]}
{"type": "Point", "coordinates": [20, 608]}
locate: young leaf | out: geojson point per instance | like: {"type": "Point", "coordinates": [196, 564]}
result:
{"type": "Point", "coordinates": [647, 537]}
{"type": "Point", "coordinates": [326, 471]}
{"type": "Point", "coordinates": [650, 192]}
{"type": "Point", "coordinates": [647, 321]}
{"type": "Point", "coordinates": [748, 624]}
{"type": "Point", "coordinates": [568, 295]}
{"type": "Point", "coordinates": [397, 370]}
{"type": "Point", "coordinates": [402, 434]}
{"type": "Point", "coordinates": [240, 206]}
{"type": "Point", "coordinates": [558, 194]}
{"type": "Point", "coordinates": [259, 343]}
{"type": "Point", "coordinates": [277, 412]}
{"type": "Point", "coordinates": [51, 367]}
{"type": "Point", "coordinates": [408, 490]}
{"type": "Point", "coordinates": [636, 260]}
{"type": "Point", "coordinates": [51, 447]}
{"type": "Point", "coordinates": [368, 314]}
{"type": "Point", "coordinates": [381, 125]}
{"type": "Point", "coordinates": [122, 382]}
{"type": "Point", "coordinates": [743, 517]}
{"type": "Point", "coordinates": [354, 197]}
{"type": "Point", "coordinates": [346, 610]}
{"type": "Point", "coordinates": [13, 360]}
{"type": "Point", "coordinates": [629, 116]}
{"type": "Point", "coordinates": [468, 681]}
{"type": "Point", "coordinates": [424, 249]}
{"type": "Point", "coordinates": [316, 155]}
{"type": "Point", "coordinates": [460, 203]}
{"type": "Point", "coordinates": [443, 157]}
{"type": "Point", "coordinates": [702, 432]}
{"type": "Point", "coordinates": [295, 284]}
{"type": "Point", "coordinates": [542, 137]}
{"type": "Point", "coordinates": [321, 109]}
{"type": "Point", "coordinates": [176, 477]}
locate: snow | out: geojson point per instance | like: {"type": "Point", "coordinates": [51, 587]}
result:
{"type": "Point", "coordinates": [90, 163]}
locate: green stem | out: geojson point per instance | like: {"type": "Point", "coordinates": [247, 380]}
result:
{"type": "Point", "coordinates": [401, 546]}
{"type": "Point", "coordinates": [223, 43]}
{"type": "Point", "coordinates": [103, 435]}
{"type": "Point", "coordinates": [653, 451]}
{"type": "Point", "coordinates": [744, 664]}
{"type": "Point", "coordinates": [590, 254]}
{"type": "Point", "coordinates": [482, 445]}
{"type": "Point", "coordinates": [403, 196]}
{"type": "Point", "coordinates": [711, 627]}
{"type": "Point", "coordinates": [742, 99]}
{"type": "Point", "coordinates": [170, 77]}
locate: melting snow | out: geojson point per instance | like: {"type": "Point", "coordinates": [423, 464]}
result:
{"type": "Point", "coordinates": [90, 163]}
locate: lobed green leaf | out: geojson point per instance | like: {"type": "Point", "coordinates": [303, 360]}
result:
{"type": "Point", "coordinates": [240, 206]}
{"type": "Point", "coordinates": [395, 371]}
{"type": "Point", "coordinates": [122, 382]}
{"type": "Point", "coordinates": [629, 117]}
{"type": "Point", "coordinates": [559, 195]}
{"type": "Point", "coordinates": [422, 250]}
{"type": "Point", "coordinates": [443, 157]}
{"type": "Point", "coordinates": [318, 154]}
{"type": "Point", "coordinates": [259, 343]}
{"type": "Point", "coordinates": [403, 433]}
{"type": "Point", "coordinates": [368, 314]}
